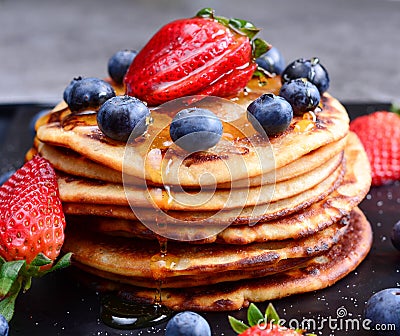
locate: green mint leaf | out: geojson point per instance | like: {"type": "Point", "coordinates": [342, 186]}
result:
{"type": "Point", "coordinates": [8, 275]}
{"type": "Point", "coordinates": [259, 47]}
{"type": "Point", "coordinates": [237, 326]}
{"type": "Point", "coordinates": [2, 261]}
{"type": "Point", "coordinates": [206, 13]}
{"type": "Point", "coordinates": [254, 315]}
{"type": "Point", "coordinates": [41, 260]}
{"type": "Point", "coordinates": [271, 315]}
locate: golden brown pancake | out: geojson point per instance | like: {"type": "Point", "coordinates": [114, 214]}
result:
{"type": "Point", "coordinates": [242, 152]}
{"type": "Point", "coordinates": [317, 273]}
{"type": "Point", "coordinates": [74, 189]}
{"type": "Point", "coordinates": [248, 215]}
{"type": "Point", "coordinates": [316, 217]}
{"type": "Point", "coordinates": [70, 162]}
{"type": "Point", "coordinates": [139, 261]}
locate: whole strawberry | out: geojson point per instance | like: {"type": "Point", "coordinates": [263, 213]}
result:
{"type": "Point", "coordinates": [31, 229]}
{"type": "Point", "coordinates": [203, 55]}
{"type": "Point", "coordinates": [379, 132]}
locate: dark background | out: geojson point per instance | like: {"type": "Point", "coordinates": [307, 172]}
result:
{"type": "Point", "coordinates": [45, 43]}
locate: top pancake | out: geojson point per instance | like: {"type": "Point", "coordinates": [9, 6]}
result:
{"type": "Point", "coordinates": [242, 153]}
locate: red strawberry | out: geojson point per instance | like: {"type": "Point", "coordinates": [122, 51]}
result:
{"type": "Point", "coordinates": [380, 134]}
{"type": "Point", "coordinates": [201, 55]}
{"type": "Point", "coordinates": [31, 216]}
{"type": "Point", "coordinates": [31, 229]}
{"type": "Point", "coordinates": [269, 330]}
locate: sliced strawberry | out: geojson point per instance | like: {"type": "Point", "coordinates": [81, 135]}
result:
{"type": "Point", "coordinates": [31, 229]}
{"type": "Point", "coordinates": [379, 132]}
{"type": "Point", "coordinates": [187, 56]}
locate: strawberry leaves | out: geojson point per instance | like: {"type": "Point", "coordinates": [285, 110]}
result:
{"type": "Point", "coordinates": [254, 318]}
{"type": "Point", "coordinates": [17, 275]}
{"type": "Point", "coordinates": [237, 326]}
{"type": "Point", "coordinates": [240, 26]}
{"type": "Point", "coordinates": [262, 324]}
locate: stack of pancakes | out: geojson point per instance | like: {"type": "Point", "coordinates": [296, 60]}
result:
{"type": "Point", "coordinates": [250, 220]}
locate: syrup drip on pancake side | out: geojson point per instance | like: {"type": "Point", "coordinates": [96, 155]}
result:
{"type": "Point", "coordinates": [125, 314]}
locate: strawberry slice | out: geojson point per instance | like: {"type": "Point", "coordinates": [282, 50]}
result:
{"type": "Point", "coordinates": [32, 226]}
{"type": "Point", "coordinates": [195, 56]}
{"type": "Point", "coordinates": [379, 132]}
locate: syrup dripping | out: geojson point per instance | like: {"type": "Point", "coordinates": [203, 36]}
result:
{"type": "Point", "coordinates": [120, 313]}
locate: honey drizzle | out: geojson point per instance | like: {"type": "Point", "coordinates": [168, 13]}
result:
{"type": "Point", "coordinates": [122, 314]}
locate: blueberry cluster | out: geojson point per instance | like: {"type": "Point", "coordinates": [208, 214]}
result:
{"type": "Point", "coordinates": [303, 83]}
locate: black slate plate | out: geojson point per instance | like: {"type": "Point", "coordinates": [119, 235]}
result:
{"type": "Point", "coordinates": [58, 305]}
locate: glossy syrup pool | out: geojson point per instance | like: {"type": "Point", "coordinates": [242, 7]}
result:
{"type": "Point", "coordinates": [119, 313]}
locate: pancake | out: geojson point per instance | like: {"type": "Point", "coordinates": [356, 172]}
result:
{"type": "Point", "coordinates": [185, 265]}
{"type": "Point", "coordinates": [242, 152]}
{"type": "Point", "coordinates": [308, 221]}
{"type": "Point", "coordinates": [315, 274]}
{"type": "Point", "coordinates": [75, 189]}
{"type": "Point", "coordinates": [70, 162]}
{"type": "Point", "coordinates": [247, 215]}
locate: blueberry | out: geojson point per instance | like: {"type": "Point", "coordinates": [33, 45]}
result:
{"type": "Point", "coordinates": [270, 113]}
{"type": "Point", "coordinates": [195, 129]}
{"type": "Point", "coordinates": [4, 177]}
{"type": "Point", "coordinates": [272, 61]}
{"type": "Point", "coordinates": [395, 237]}
{"type": "Point", "coordinates": [188, 324]}
{"type": "Point", "coordinates": [89, 93]}
{"type": "Point", "coordinates": [119, 63]}
{"type": "Point", "coordinates": [67, 91]}
{"type": "Point", "coordinates": [301, 94]}
{"type": "Point", "coordinates": [123, 116]}
{"type": "Point", "coordinates": [383, 308]}
{"type": "Point", "coordinates": [35, 118]}
{"type": "Point", "coordinates": [3, 326]}
{"type": "Point", "coordinates": [311, 69]}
